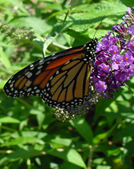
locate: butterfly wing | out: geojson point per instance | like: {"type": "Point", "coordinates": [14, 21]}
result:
{"type": "Point", "coordinates": [61, 80]}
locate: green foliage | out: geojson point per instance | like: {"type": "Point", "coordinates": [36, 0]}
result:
{"type": "Point", "coordinates": [30, 137]}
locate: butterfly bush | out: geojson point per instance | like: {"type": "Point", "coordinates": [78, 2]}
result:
{"type": "Point", "coordinates": [113, 66]}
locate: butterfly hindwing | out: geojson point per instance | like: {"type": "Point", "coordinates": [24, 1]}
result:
{"type": "Point", "coordinates": [69, 82]}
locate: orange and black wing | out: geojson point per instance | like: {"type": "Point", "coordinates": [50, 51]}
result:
{"type": "Point", "coordinates": [62, 80]}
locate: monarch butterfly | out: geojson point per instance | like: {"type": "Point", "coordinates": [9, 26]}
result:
{"type": "Point", "coordinates": [61, 80]}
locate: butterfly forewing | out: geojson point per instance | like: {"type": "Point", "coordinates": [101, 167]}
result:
{"type": "Point", "coordinates": [61, 80]}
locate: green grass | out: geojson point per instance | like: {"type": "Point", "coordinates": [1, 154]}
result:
{"type": "Point", "coordinates": [30, 136]}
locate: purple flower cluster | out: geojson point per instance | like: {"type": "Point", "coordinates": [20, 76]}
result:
{"type": "Point", "coordinates": [113, 66]}
{"type": "Point", "coordinates": [114, 63]}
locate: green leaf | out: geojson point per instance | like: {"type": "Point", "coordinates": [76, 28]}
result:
{"type": "Point", "coordinates": [66, 164]}
{"type": "Point", "coordinates": [2, 83]}
{"type": "Point", "coordinates": [9, 120]}
{"type": "Point", "coordinates": [125, 132]}
{"type": "Point", "coordinates": [48, 42]}
{"type": "Point", "coordinates": [70, 155]}
{"type": "Point", "coordinates": [104, 135]}
{"type": "Point", "coordinates": [20, 154]}
{"type": "Point", "coordinates": [103, 167]}
{"type": "Point", "coordinates": [23, 140]}
{"type": "Point", "coordinates": [104, 103]}
{"type": "Point", "coordinates": [4, 59]}
{"type": "Point", "coordinates": [37, 24]}
{"type": "Point", "coordinates": [127, 3]}
{"type": "Point", "coordinates": [129, 151]}
{"type": "Point", "coordinates": [61, 141]}
{"type": "Point", "coordinates": [83, 128]}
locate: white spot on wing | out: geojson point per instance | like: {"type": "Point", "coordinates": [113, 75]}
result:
{"type": "Point", "coordinates": [28, 74]}
{"type": "Point", "coordinates": [39, 67]}
{"type": "Point", "coordinates": [28, 83]}
{"type": "Point", "coordinates": [38, 72]}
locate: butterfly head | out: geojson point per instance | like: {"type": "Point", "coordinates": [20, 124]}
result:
{"type": "Point", "coordinates": [91, 46]}
{"type": "Point", "coordinates": [90, 49]}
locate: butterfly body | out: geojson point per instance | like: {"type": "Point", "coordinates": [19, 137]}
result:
{"type": "Point", "coordinates": [61, 80]}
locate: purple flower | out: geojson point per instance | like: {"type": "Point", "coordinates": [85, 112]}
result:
{"type": "Point", "coordinates": [100, 86]}
{"type": "Point", "coordinates": [104, 67]}
{"type": "Point", "coordinates": [114, 65]}
{"type": "Point", "coordinates": [130, 45]}
{"type": "Point", "coordinates": [131, 30]}
{"type": "Point", "coordinates": [114, 49]}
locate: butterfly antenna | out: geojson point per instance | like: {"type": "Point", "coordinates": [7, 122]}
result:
{"type": "Point", "coordinates": [99, 25]}
{"type": "Point", "coordinates": [66, 16]}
